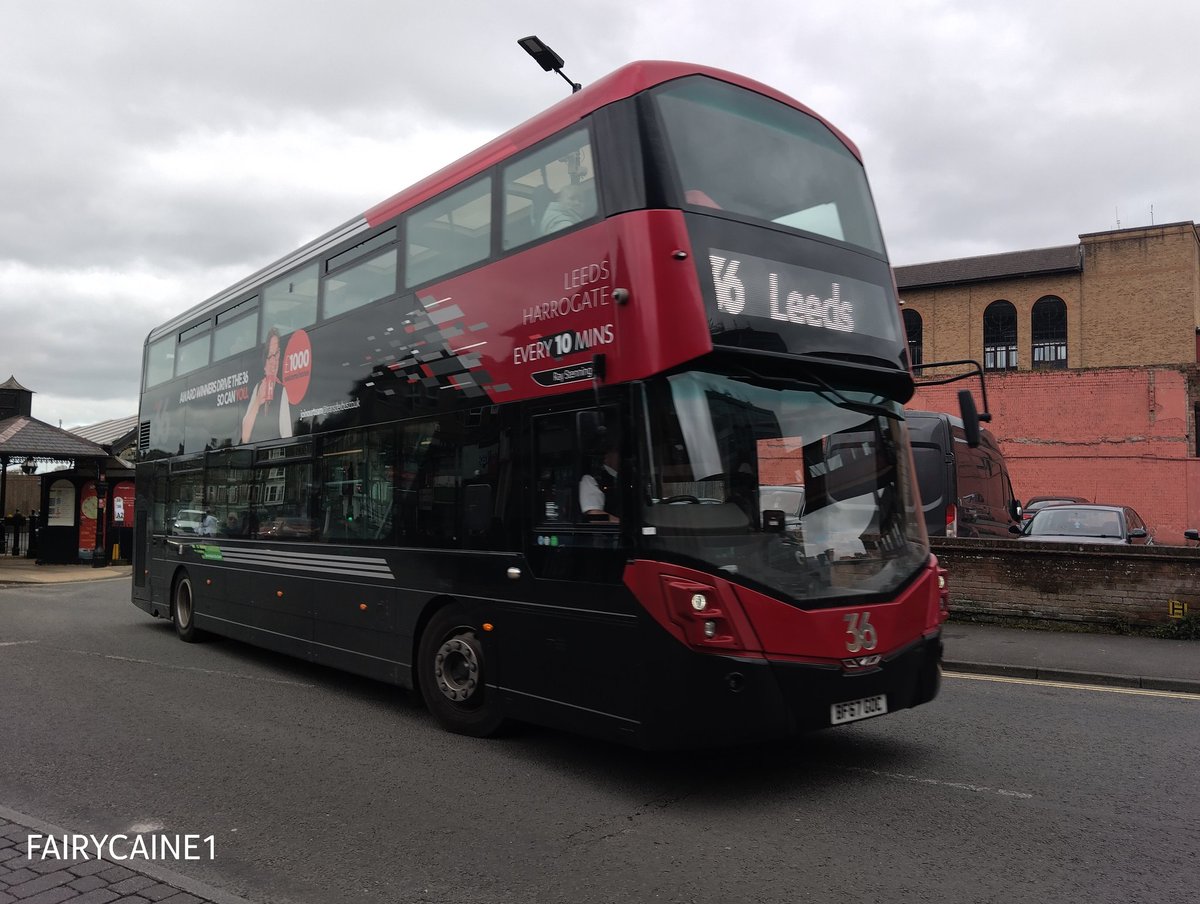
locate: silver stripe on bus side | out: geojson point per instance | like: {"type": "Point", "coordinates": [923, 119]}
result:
{"type": "Point", "coordinates": [331, 564]}
{"type": "Point", "coordinates": [299, 556]}
{"type": "Point", "coordinates": [345, 565]}
{"type": "Point", "coordinates": [324, 576]}
{"type": "Point", "coordinates": [323, 569]}
{"type": "Point", "coordinates": [293, 556]}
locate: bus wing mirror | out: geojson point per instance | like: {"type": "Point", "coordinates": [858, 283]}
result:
{"type": "Point", "coordinates": [970, 417]}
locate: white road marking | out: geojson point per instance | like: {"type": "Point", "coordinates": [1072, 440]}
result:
{"type": "Point", "coordinates": [145, 828]}
{"type": "Point", "coordinates": [1135, 691]}
{"type": "Point", "coordinates": [959, 786]}
{"type": "Point", "coordinates": [16, 643]}
{"type": "Point", "coordinates": [189, 668]}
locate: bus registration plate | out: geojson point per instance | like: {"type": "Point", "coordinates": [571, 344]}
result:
{"type": "Point", "coordinates": [853, 710]}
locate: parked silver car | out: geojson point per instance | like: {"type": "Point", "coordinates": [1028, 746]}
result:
{"type": "Point", "coordinates": [1087, 524]}
{"type": "Point", "coordinates": [1037, 503]}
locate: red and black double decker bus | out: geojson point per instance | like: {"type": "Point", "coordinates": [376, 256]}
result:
{"type": "Point", "coordinates": [600, 427]}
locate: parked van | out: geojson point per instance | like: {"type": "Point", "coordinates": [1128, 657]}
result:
{"type": "Point", "coordinates": [965, 492]}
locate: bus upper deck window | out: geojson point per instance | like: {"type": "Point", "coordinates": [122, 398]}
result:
{"type": "Point", "coordinates": [549, 190]}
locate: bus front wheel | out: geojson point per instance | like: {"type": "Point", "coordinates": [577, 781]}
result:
{"type": "Point", "coordinates": [183, 609]}
{"type": "Point", "coordinates": [453, 671]}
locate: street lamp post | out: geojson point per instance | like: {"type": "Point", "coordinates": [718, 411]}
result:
{"type": "Point", "coordinates": [546, 58]}
{"type": "Point", "coordinates": [98, 560]}
{"type": "Point", "coordinates": [29, 467]}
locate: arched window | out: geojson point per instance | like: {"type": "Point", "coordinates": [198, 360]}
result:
{"type": "Point", "coordinates": [1049, 328]}
{"type": "Point", "coordinates": [1000, 336]}
{"type": "Point", "coordinates": [915, 330]}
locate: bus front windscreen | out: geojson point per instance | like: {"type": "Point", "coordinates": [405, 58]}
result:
{"type": "Point", "coordinates": [807, 493]}
{"type": "Point", "coordinates": [741, 153]}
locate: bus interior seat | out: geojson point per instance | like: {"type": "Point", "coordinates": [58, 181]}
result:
{"type": "Point", "coordinates": [520, 229]}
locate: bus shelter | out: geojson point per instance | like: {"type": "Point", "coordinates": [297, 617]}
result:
{"type": "Point", "coordinates": [71, 524]}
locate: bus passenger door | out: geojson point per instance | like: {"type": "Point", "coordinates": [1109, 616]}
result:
{"type": "Point", "coordinates": [577, 646]}
{"type": "Point", "coordinates": [150, 529]}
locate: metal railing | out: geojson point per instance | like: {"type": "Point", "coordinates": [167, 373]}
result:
{"type": "Point", "coordinates": [14, 540]}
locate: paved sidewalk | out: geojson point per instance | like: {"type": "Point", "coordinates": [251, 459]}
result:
{"type": "Point", "coordinates": [1108, 659]}
{"type": "Point", "coordinates": [15, 570]}
{"type": "Point", "coordinates": [86, 881]}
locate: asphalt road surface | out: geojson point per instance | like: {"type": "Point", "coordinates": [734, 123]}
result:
{"type": "Point", "coordinates": [322, 787]}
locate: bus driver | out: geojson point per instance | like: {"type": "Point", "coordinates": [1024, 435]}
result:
{"type": "Point", "coordinates": [599, 498]}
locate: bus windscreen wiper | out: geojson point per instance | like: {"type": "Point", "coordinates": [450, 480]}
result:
{"type": "Point", "coordinates": [827, 392]}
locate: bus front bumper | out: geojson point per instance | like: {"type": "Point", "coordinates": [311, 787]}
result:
{"type": "Point", "coordinates": [726, 700]}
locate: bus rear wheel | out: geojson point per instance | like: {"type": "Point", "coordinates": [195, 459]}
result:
{"type": "Point", "coordinates": [183, 609]}
{"type": "Point", "coordinates": [452, 672]}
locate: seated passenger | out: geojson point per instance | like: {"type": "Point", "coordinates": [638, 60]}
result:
{"type": "Point", "coordinates": [569, 208]}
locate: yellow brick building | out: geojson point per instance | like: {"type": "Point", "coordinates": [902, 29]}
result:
{"type": "Point", "coordinates": [1128, 297]}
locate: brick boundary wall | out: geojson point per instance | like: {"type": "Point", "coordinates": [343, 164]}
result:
{"type": "Point", "coordinates": [1070, 582]}
{"type": "Point", "coordinates": [1122, 436]}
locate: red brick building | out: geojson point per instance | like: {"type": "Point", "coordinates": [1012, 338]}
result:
{"type": "Point", "coordinates": [1091, 353]}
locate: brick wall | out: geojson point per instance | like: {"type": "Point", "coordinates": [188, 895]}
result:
{"type": "Point", "coordinates": [1139, 297]}
{"type": "Point", "coordinates": [1117, 435]}
{"type": "Point", "coordinates": [1070, 582]}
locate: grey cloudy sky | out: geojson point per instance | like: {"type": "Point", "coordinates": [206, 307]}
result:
{"type": "Point", "coordinates": [156, 151]}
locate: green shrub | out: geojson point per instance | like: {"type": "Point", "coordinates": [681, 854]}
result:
{"type": "Point", "coordinates": [1186, 628]}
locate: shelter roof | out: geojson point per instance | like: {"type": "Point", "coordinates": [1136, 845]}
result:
{"type": "Point", "coordinates": [21, 437]}
{"type": "Point", "coordinates": [107, 432]}
{"type": "Point", "coordinates": [11, 383]}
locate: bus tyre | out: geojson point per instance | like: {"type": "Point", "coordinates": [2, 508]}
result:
{"type": "Point", "coordinates": [183, 609]}
{"type": "Point", "coordinates": [452, 671]}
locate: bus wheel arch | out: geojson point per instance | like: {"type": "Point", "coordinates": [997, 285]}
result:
{"type": "Point", "coordinates": [183, 607]}
{"type": "Point", "coordinates": [451, 671]}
